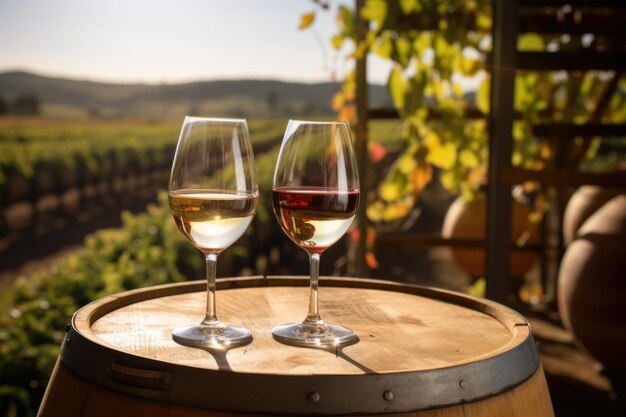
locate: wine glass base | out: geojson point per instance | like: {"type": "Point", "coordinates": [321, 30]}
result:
{"type": "Point", "coordinates": [215, 336]}
{"type": "Point", "coordinates": [314, 336]}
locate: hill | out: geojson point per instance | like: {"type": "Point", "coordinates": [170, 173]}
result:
{"type": "Point", "coordinates": [250, 98]}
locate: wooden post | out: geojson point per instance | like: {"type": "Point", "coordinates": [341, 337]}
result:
{"type": "Point", "coordinates": [359, 267]}
{"type": "Point", "coordinates": [498, 233]}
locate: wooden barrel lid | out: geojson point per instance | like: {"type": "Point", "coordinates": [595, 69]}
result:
{"type": "Point", "coordinates": [419, 347]}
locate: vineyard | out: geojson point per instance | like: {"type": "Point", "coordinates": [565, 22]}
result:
{"type": "Point", "coordinates": [44, 160]}
{"type": "Point", "coordinates": [49, 170]}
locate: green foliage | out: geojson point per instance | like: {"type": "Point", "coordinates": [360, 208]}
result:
{"type": "Point", "coordinates": [426, 67]}
{"type": "Point", "coordinates": [26, 105]}
{"type": "Point", "coordinates": [147, 251]}
{"type": "Point", "coordinates": [94, 148]}
{"type": "Point", "coordinates": [433, 46]}
{"type": "Point", "coordinates": [98, 148]}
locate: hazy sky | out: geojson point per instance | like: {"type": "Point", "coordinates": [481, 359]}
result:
{"type": "Point", "coordinates": [170, 40]}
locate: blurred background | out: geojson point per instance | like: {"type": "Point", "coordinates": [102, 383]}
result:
{"type": "Point", "coordinates": [450, 101]}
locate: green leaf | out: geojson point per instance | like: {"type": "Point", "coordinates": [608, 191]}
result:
{"type": "Point", "coordinates": [410, 6]}
{"type": "Point", "coordinates": [440, 154]}
{"type": "Point", "coordinates": [483, 21]}
{"type": "Point", "coordinates": [422, 43]}
{"type": "Point", "coordinates": [384, 46]}
{"type": "Point", "coordinates": [482, 96]}
{"type": "Point", "coordinates": [406, 164]}
{"type": "Point", "coordinates": [530, 42]}
{"type": "Point", "coordinates": [346, 17]}
{"type": "Point", "coordinates": [397, 87]}
{"type": "Point", "coordinates": [470, 66]}
{"type": "Point", "coordinates": [337, 41]}
{"type": "Point", "coordinates": [306, 20]}
{"type": "Point", "coordinates": [479, 288]}
{"type": "Point", "coordinates": [390, 191]}
{"type": "Point", "coordinates": [403, 51]}
{"type": "Point", "coordinates": [449, 180]}
{"type": "Point", "coordinates": [468, 159]}
{"type": "Point", "coordinates": [375, 11]}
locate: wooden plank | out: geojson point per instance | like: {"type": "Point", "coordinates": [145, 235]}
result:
{"type": "Point", "coordinates": [567, 130]}
{"type": "Point", "coordinates": [563, 178]}
{"type": "Point", "coordinates": [65, 395]}
{"type": "Point", "coordinates": [536, 401]}
{"type": "Point", "coordinates": [388, 323]}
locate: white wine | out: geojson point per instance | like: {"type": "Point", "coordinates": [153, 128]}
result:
{"type": "Point", "coordinates": [212, 220]}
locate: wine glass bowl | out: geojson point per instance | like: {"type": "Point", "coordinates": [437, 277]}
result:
{"type": "Point", "coordinates": [315, 199]}
{"type": "Point", "coordinates": [213, 196]}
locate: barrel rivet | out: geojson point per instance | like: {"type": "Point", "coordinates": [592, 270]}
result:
{"type": "Point", "coordinates": [313, 397]}
{"type": "Point", "coordinates": [462, 384]}
{"type": "Point", "coordinates": [68, 342]}
{"type": "Point", "coordinates": [388, 395]}
{"type": "Point", "coordinates": [68, 327]}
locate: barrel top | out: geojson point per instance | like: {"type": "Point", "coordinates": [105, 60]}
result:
{"type": "Point", "coordinates": [401, 328]}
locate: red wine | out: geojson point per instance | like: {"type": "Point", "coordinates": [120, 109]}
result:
{"type": "Point", "coordinates": [314, 217]}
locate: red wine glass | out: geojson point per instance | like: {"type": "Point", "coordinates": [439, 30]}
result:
{"type": "Point", "coordinates": [315, 199]}
{"type": "Point", "coordinates": [213, 196]}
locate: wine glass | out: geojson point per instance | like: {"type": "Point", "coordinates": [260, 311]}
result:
{"type": "Point", "coordinates": [315, 199]}
{"type": "Point", "coordinates": [213, 196]}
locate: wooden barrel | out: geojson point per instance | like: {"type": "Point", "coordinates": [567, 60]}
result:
{"type": "Point", "coordinates": [422, 352]}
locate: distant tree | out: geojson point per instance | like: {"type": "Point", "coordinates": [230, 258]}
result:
{"type": "Point", "coordinates": [26, 104]}
{"type": "Point", "coordinates": [4, 106]}
{"type": "Point", "coordinates": [94, 112]}
{"type": "Point", "coordinates": [272, 101]}
{"type": "Point", "coordinates": [194, 109]}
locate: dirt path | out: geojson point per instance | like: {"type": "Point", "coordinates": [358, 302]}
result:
{"type": "Point", "coordinates": [21, 254]}
{"type": "Point", "coordinates": [8, 277]}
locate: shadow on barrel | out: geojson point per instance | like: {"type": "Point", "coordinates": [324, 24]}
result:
{"type": "Point", "coordinates": [338, 352]}
{"type": "Point", "coordinates": [219, 355]}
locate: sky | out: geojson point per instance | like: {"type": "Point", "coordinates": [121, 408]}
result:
{"type": "Point", "coordinates": [171, 41]}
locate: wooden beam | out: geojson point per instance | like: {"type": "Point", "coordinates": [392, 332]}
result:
{"type": "Point", "coordinates": [596, 20]}
{"type": "Point", "coordinates": [596, 4]}
{"type": "Point", "coordinates": [359, 266]}
{"type": "Point", "coordinates": [569, 60]}
{"type": "Point", "coordinates": [388, 113]}
{"type": "Point", "coordinates": [563, 178]}
{"type": "Point", "coordinates": [498, 231]}
{"type": "Point", "coordinates": [600, 22]}
{"type": "Point", "coordinates": [405, 241]}
{"type": "Point", "coordinates": [565, 130]}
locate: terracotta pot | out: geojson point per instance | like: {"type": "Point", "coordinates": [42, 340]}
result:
{"type": "Point", "coordinates": [592, 285]}
{"type": "Point", "coordinates": [583, 203]}
{"type": "Point", "coordinates": [467, 220]}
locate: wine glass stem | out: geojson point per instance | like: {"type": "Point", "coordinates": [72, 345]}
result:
{"type": "Point", "coordinates": [211, 266]}
{"type": "Point", "coordinates": [314, 315]}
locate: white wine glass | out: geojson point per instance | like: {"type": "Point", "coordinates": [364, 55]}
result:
{"type": "Point", "coordinates": [315, 200]}
{"type": "Point", "coordinates": [213, 196]}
